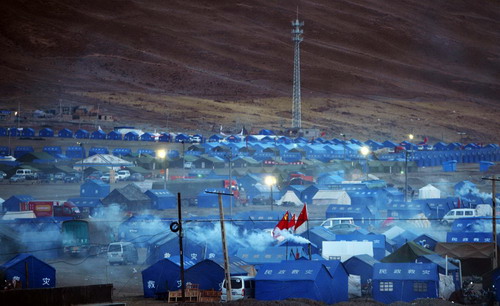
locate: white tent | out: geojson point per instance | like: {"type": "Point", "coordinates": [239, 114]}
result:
{"type": "Point", "coordinates": [327, 197]}
{"type": "Point", "coordinates": [290, 198]}
{"type": "Point", "coordinates": [343, 250]}
{"type": "Point", "coordinates": [429, 192]}
{"type": "Point", "coordinates": [106, 160]}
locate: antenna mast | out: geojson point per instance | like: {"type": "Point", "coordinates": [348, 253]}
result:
{"type": "Point", "coordinates": [297, 39]}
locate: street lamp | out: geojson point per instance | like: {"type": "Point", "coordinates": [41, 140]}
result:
{"type": "Point", "coordinates": [162, 154]}
{"type": "Point", "coordinates": [407, 151]}
{"type": "Point", "coordinates": [82, 150]}
{"type": "Point", "coordinates": [270, 181]}
{"type": "Point", "coordinates": [365, 151]}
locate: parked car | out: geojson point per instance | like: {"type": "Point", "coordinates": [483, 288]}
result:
{"type": "Point", "coordinates": [344, 228]}
{"type": "Point", "coordinates": [72, 178]}
{"type": "Point", "coordinates": [59, 176]}
{"type": "Point", "coordinates": [96, 175]}
{"type": "Point", "coordinates": [122, 175]}
{"type": "Point", "coordinates": [17, 178]}
{"type": "Point", "coordinates": [105, 178]}
{"type": "Point", "coordinates": [136, 177]}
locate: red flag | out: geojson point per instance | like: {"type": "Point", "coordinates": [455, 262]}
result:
{"type": "Point", "coordinates": [291, 224]}
{"type": "Point", "coordinates": [283, 224]}
{"type": "Point", "coordinates": [302, 217]}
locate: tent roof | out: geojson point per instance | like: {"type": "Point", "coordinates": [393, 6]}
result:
{"type": "Point", "coordinates": [364, 258]}
{"type": "Point", "coordinates": [465, 250]}
{"type": "Point", "coordinates": [323, 194]}
{"type": "Point", "coordinates": [407, 253]}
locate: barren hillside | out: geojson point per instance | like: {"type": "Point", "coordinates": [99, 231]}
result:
{"type": "Point", "coordinates": [369, 68]}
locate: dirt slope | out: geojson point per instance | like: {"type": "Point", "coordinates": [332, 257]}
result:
{"type": "Point", "coordinates": [358, 57]}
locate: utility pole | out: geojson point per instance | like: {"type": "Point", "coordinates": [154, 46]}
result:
{"type": "Point", "coordinates": [296, 95]}
{"type": "Point", "coordinates": [494, 218]}
{"type": "Point", "coordinates": [177, 227]}
{"type": "Point", "coordinates": [224, 244]}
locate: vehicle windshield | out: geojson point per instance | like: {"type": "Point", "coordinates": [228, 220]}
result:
{"type": "Point", "coordinates": [235, 284]}
{"type": "Point", "coordinates": [115, 248]}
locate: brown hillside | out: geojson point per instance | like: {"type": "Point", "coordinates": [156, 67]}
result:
{"type": "Point", "coordinates": [369, 68]}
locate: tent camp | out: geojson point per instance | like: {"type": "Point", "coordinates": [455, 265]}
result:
{"type": "Point", "coordinates": [295, 279]}
{"type": "Point", "coordinates": [406, 282]}
{"type": "Point", "coordinates": [162, 276]}
{"type": "Point", "coordinates": [30, 271]}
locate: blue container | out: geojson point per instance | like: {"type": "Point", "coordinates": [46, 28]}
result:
{"type": "Point", "coordinates": [450, 166]}
{"type": "Point", "coordinates": [485, 165]}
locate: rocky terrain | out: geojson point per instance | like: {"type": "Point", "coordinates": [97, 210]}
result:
{"type": "Point", "coordinates": [370, 69]}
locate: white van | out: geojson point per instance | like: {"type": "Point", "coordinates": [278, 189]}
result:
{"type": "Point", "coordinates": [24, 172]}
{"type": "Point", "coordinates": [458, 213]}
{"type": "Point", "coordinates": [122, 253]}
{"type": "Point", "coordinates": [242, 287]}
{"type": "Point", "coordinates": [122, 175]}
{"type": "Point", "coordinates": [330, 222]}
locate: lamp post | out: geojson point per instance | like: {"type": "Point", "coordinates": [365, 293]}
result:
{"type": "Point", "coordinates": [162, 154]}
{"type": "Point", "coordinates": [344, 144]}
{"type": "Point", "coordinates": [83, 157]}
{"type": "Point", "coordinates": [270, 181]}
{"type": "Point", "coordinates": [365, 151]}
{"type": "Point", "coordinates": [407, 151]}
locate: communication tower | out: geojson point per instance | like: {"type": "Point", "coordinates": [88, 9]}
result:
{"type": "Point", "coordinates": [297, 39]}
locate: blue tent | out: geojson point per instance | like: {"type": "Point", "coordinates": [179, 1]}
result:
{"type": "Point", "coordinates": [215, 138]}
{"type": "Point", "coordinates": [163, 276]}
{"type": "Point", "coordinates": [65, 133]}
{"type": "Point", "coordinates": [268, 255]}
{"type": "Point", "coordinates": [162, 199]}
{"type": "Point", "coordinates": [469, 237]}
{"type": "Point", "coordinates": [147, 137]}
{"type": "Point", "coordinates": [295, 279]}
{"type": "Point", "coordinates": [209, 273]}
{"type": "Point", "coordinates": [165, 137]}
{"type": "Point", "coordinates": [114, 135]}
{"type": "Point", "coordinates": [31, 271]}
{"type": "Point", "coordinates": [131, 136]}
{"type": "Point", "coordinates": [12, 203]}
{"type": "Point", "coordinates": [317, 235]}
{"type": "Point", "coordinates": [211, 200]}
{"type": "Point", "coordinates": [19, 151]}
{"type": "Point", "coordinates": [98, 134]}
{"type": "Point", "coordinates": [393, 282]}
{"type": "Point", "coordinates": [121, 151]}
{"type": "Point", "coordinates": [82, 134]}
{"type": "Point", "coordinates": [98, 150]}
{"type": "Point", "coordinates": [75, 152]}
{"type": "Point", "coordinates": [28, 132]}
{"type": "Point", "coordinates": [181, 138]}
{"type": "Point", "coordinates": [4, 131]}
{"type": "Point", "coordinates": [361, 265]}
{"type": "Point", "coordinates": [443, 266]}
{"type": "Point", "coordinates": [94, 189]}
{"type": "Point", "coordinates": [52, 150]}
{"type": "Point", "coordinates": [162, 246]}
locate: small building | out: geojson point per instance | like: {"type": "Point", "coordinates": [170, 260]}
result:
{"type": "Point", "coordinates": [30, 271]}
{"type": "Point", "coordinates": [162, 199]}
{"type": "Point", "coordinates": [94, 189]}
{"type": "Point", "coordinates": [393, 282]}
{"type": "Point", "coordinates": [129, 198]}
